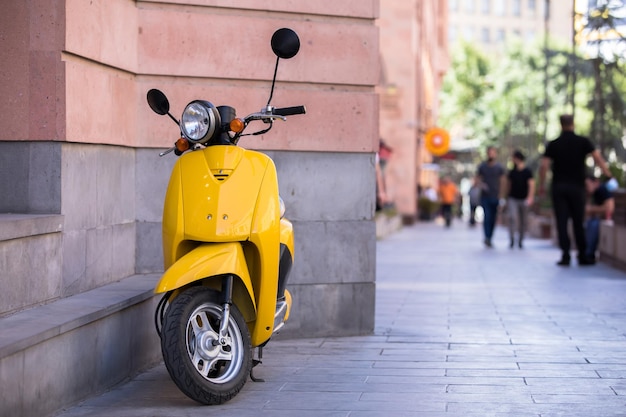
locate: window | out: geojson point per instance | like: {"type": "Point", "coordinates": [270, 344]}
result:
{"type": "Point", "coordinates": [517, 8]}
{"type": "Point", "coordinates": [485, 35]}
{"type": "Point", "coordinates": [532, 5]}
{"type": "Point", "coordinates": [453, 5]}
{"type": "Point", "coordinates": [500, 35]}
{"type": "Point", "coordinates": [469, 6]}
{"type": "Point", "coordinates": [452, 33]}
{"type": "Point", "coordinates": [500, 7]}
{"type": "Point", "coordinates": [468, 33]}
{"type": "Point", "coordinates": [486, 6]}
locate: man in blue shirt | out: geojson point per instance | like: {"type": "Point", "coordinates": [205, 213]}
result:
{"type": "Point", "coordinates": [489, 178]}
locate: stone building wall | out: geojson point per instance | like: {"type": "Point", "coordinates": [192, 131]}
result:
{"type": "Point", "coordinates": [78, 140]}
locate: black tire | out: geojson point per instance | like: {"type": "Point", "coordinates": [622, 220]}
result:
{"type": "Point", "coordinates": [205, 373]}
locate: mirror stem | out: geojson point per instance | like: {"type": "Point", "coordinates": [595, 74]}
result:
{"type": "Point", "coordinates": [273, 81]}
{"type": "Point", "coordinates": [173, 118]}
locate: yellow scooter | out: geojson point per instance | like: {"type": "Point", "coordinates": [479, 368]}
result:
{"type": "Point", "coordinates": [227, 248]}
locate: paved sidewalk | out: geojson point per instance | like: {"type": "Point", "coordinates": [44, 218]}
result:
{"type": "Point", "coordinates": [461, 330]}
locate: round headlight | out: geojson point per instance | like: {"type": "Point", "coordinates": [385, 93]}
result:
{"type": "Point", "coordinates": [199, 120]}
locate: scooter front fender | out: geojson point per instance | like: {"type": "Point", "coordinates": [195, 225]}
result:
{"type": "Point", "coordinates": [210, 260]}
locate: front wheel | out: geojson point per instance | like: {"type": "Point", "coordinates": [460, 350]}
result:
{"type": "Point", "coordinates": [204, 369]}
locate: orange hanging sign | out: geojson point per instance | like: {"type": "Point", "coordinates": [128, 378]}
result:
{"type": "Point", "coordinates": [437, 141]}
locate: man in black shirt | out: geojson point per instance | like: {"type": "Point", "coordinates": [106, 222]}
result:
{"type": "Point", "coordinates": [568, 154]}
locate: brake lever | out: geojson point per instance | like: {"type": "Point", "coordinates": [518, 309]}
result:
{"type": "Point", "coordinates": [266, 117]}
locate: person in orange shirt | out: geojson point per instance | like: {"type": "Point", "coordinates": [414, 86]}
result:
{"type": "Point", "coordinates": [448, 195]}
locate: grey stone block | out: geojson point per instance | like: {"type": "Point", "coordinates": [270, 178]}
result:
{"type": "Point", "coordinates": [331, 310]}
{"type": "Point", "coordinates": [75, 263]}
{"type": "Point", "coordinates": [44, 183]}
{"type": "Point", "coordinates": [98, 185]}
{"type": "Point", "coordinates": [152, 176]}
{"type": "Point", "coordinates": [107, 259]}
{"type": "Point", "coordinates": [96, 257]}
{"type": "Point", "coordinates": [334, 252]}
{"type": "Point", "coordinates": [12, 392]}
{"type": "Point", "coordinates": [149, 247]}
{"type": "Point", "coordinates": [31, 271]}
{"type": "Point", "coordinates": [15, 226]}
{"type": "Point", "coordinates": [319, 186]}
{"type": "Point", "coordinates": [14, 174]}
{"type": "Point", "coordinates": [30, 177]}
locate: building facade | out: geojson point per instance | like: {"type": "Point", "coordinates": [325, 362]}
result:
{"type": "Point", "coordinates": [489, 24]}
{"type": "Point", "coordinates": [414, 58]}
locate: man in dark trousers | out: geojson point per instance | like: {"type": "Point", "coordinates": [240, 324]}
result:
{"type": "Point", "coordinates": [490, 177]}
{"type": "Point", "coordinates": [568, 154]}
{"type": "Point", "coordinates": [521, 192]}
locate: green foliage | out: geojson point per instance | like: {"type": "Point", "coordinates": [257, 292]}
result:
{"type": "Point", "coordinates": [502, 102]}
{"type": "Point", "coordinates": [609, 81]}
{"type": "Point", "coordinates": [507, 102]}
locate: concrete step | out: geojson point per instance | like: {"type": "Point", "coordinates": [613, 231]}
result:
{"type": "Point", "coordinates": [57, 354]}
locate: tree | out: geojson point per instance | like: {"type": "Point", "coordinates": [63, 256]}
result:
{"type": "Point", "coordinates": [501, 101]}
{"type": "Point", "coordinates": [604, 45]}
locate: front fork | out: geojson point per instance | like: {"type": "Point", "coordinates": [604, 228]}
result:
{"type": "Point", "coordinates": [227, 293]}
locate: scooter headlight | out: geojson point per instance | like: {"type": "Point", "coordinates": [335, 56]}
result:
{"type": "Point", "coordinates": [199, 121]}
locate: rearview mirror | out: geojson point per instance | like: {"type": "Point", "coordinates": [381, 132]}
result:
{"type": "Point", "coordinates": [285, 43]}
{"type": "Point", "coordinates": [158, 102]}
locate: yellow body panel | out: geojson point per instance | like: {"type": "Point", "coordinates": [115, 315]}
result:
{"type": "Point", "coordinates": [286, 235]}
{"type": "Point", "coordinates": [288, 300]}
{"type": "Point", "coordinates": [212, 259]}
{"type": "Point", "coordinates": [225, 194]}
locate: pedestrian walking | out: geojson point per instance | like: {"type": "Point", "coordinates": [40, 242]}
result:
{"type": "Point", "coordinates": [489, 176]}
{"type": "Point", "coordinates": [474, 201]}
{"type": "Point", "coordinates": [448, 195]}
{"type": "Point", "coordinates": [600, 207]}
{"type": "Point", "coordinates": [521, 189]}
{"type": "Point", "coordinates": [566, 155]}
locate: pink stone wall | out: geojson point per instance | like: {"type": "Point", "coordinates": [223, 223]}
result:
{"type": "Point", "coordinates": [79, 70]}
{"type": "Point", "coordinates": [333, 79]}
{"type": "Point", "coordinates": [31, 73]}
{"type": "Point", "coordinates": [414, 58]}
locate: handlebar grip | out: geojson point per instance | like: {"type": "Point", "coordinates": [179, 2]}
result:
{"type": "Point", "coordinates": [289, 111]}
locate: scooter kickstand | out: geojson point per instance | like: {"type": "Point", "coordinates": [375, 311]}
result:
{"type": "Point", "coordinates": [256, 362]}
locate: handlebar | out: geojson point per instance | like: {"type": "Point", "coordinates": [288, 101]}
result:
{"type": "Point", "coordinates": [290, 111]}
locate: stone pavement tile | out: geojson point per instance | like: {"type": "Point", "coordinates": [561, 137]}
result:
{"type": "Point", "coordinates": [608, 400]}
{"type": "Point", "coordinates": [448, 380]}
{"type": "Point", "coordinates": [619, 386]}
{"type": "Point", "coordinates": [539, 410]}
{"type": "Point", "coordinates": [384, 387]}
{"type": "Point", "coordinates": [612, 373]}
{"type": "Point", "coordinates": [577, 386]}
{"type": "Point", "coordinates": [196, 411]}
{"type": "Point", "coordinates": [384, 373]}
{"type": "Point", "coordinates": [392, 403]}
{"type": "Point", "coordinates": [532, 373]}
